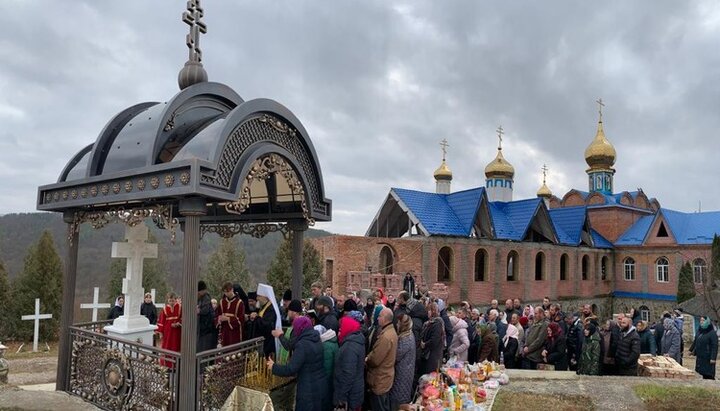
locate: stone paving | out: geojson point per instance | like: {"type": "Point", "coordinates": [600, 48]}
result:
{"type": "Point", "coordinates": [17, 398]}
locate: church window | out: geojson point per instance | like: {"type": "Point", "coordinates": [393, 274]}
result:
{"type": "Point", "coordinates": [662, 231]}
{"type": "Point", "coordinates": [699, 271]}
{"type": "Point", "coordinates": [585, 267]}
{"type": "Point", "coordinates": [604, 267]}
{"type": "Point", "coordinates": [539, 267]}
{"type": "Point", "coordinates": [644, 313]}
{"type": "Point", "coordinates": [480, 265]}
{"type": "Point", "coordinates": [598, 183]}
{"type": "Point", "coordinates": [564, 266]}
{"type": "Point", "coordinates": [629, 268]}
{"type": "Point", "coordinates": [662, 269]}
{"type": "Point", "coordinates": [512, 266]}
{"type": "Point", "coordinates": [386, 260]}
{"type": "Point", "coordinates": [445, 264]}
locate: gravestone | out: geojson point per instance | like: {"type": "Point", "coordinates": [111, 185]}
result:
{"type": "Point", "coordinates": [36, 317]}
{"type": "Point", "coordinates": [95, 304]}
{"type": "Point", "coordinates": [132, 325]}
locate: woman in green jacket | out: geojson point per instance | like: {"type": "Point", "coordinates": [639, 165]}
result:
{"type": "Point", "coordinates": [590, 357]}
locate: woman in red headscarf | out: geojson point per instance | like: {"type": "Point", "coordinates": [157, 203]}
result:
{"type": "Point", "coordinates": [555, 351]}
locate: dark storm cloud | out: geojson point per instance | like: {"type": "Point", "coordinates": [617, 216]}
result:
{"type": "Point", "coordinates": [379, 84]}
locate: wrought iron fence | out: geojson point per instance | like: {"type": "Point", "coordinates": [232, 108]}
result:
{"type": "Point", "coordinates": [118, 374]}
{"type": "Point", "coordinates": [220, 370]}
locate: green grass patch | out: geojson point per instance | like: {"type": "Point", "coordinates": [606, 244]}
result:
{"type": "Point", "coordinates": [659, 398]}
{"type": "Point", "coordinates": [523, 401]}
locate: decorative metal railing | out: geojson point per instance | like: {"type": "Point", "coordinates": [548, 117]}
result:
{"type": "Point", "coordinates": [221, 369]}
{"type": "Point", "coordinates": [117, 374]}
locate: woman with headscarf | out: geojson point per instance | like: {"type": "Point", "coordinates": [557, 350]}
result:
{"type": "Point", "coordinates": [432, 341]}
{"type": "Point", "coordinates": [306, 362]}
{"type": "Point", "coordinates": [705, 348]}
{"type": "Point", "coordinates": [401, 391]}
{"type": "Point", "coordinates": [590, 355]}
{"type": "Point", "coordinates": [647, 340]}
{"type": "Point", "coordinates": [670, 343]}
{"type": "Point", "coordinates": [460, 343]}
{"type": "Point", "coordinates": [118, 309]}
{"type": "Point", "coordinates": [555, 351]}
{"type": "Point", "coordinates": [369, 307]}
{"type": "Point", "coordinates": [373, 331]}
{"type": "Point", "coordinates": [510, 346]}
{"type": "Point", "coordinates": [349, 389]}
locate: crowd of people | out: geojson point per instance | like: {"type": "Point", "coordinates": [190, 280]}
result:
{"type": "Point", "coordinates": [328, 338]}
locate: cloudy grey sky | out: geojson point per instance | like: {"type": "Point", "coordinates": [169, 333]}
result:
{"type": "Point", "coordinates": [378, 84]}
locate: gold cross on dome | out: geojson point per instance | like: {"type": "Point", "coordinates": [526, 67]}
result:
{"type": "Point", "coordinates": [500, 134]}
{"type": "Point", "coordinates": [600, 106]}
{"type": "Point", "coordinates": [544, 170]}
{"type": "Point", "coordinates": [192, 17]}
{"type": "Point", "coordinates": [444, 144]}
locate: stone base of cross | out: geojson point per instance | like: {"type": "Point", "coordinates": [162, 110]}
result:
{"type": "Point", "coordinates": [131, 325]}
{"type": "Point", "coordinates": [37, 317]}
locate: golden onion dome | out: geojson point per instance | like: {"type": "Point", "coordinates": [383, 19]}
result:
{"type": "Point", "coordinates": [443, 172]}
{"type": "Point", "coordinates": [544, 191]}
{"type": "Point", "coordinates": [499, 167]}
{"type": "Point", "coordinates": [600, 153]}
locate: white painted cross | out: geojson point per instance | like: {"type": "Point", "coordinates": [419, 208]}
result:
{"type": "Point", "coordinates": [37, 317]}
{"type": "Point", "coordinates": [96, 304]}
{"type": "Point", "coordinates": [152, 294]}
{"type": "Point", "coordinates": [135, 250]}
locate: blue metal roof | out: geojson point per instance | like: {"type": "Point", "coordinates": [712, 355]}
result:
{"type": "Point", "coordinates": [644, 296]}
{"type": "Point", "coordinates": [692, 228]}
{"type": "Point", "coordinates": [569, 222]}
{"type": "Point", "coordinates": [687, 228]}
{"type": "Point", "coordinates": [443, 214]}
{"type": "Point", "coordinates": [512, 219]}
{"type": "Point", "coordinates": [599, 241]}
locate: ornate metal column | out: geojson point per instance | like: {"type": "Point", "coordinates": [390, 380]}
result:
{"type": "Point", "coordinates": [298, 234]}
{"type": "Point", "coordinates": [192, 209]}
{"type": "Point", "coordinates": [62, 380]}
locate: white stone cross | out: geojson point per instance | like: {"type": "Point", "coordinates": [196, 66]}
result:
{"type": "Point", "coordinates": [135, 250]}
{"type": "Point", "coordinates": [96, 304]}
{"type": "Point", "coordinates": [37, 317]}
{"type": "Point", "coordinates": [158, 305]}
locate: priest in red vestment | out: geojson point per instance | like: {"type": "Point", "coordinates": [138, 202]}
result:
{"type": "Point", "coordinates": [230, 316]}
{"type": "Point", "coordinates": [169, 326]}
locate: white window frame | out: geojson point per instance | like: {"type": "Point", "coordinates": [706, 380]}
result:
{"type": "Point", "coordinates": [629, 267]}
{"type": "Point", "coordinates": [662, 271]}
{"type": "Point", "coordinates": [699, 271]}
{"type": "Point", "coordinates": [645, 315]}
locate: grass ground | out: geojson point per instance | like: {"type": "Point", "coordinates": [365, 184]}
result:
{"type": "Point", "coordinates": [26, 351]}
{"type": "Point", "coordinates": [524, 401]}
{"type": "Point", "coordinates": [659, 398]}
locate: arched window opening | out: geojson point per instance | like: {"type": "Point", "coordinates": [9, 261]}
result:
{"type": "Point", "coordinates": [564, 267]}
{"type": "Point", "coordinates": [386, 260]}
{"type": "Point", "coordinates": [585, 266]}
{"type": "Point", "coordinates": [604, 267]}
{"type": "Point", "coordinates": [512, 266]}
{"type": "Point", "coordinates": [445, 264]}
{"type": "Point", "coordinates": [539, 267]}
{"type": "Point", "coordinates": [629, 269]}
{"type": "Point", "coordinates": [662, 269]}
{"type": "Point", "coordinates": [699, 271]}
{"type": "Point", "coordinates": [480, 264]}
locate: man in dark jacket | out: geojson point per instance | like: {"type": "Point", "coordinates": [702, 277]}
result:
{"type": "Point", "coordinates": [349, 387]}
{"type": "Point", "coordinates": [628, 349]}
{"type": "Point", "coordinates": [326, 314]}
{"type": "Point", "coordinates": [446, 322]}
{"type": "Point", "coordinates": [206, 337]}
{"type": "Point", "coordinates": [409, 284]}
{"type": "Point", "coordinates": [660, 331]}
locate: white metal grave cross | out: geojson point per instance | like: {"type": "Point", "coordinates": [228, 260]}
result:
{"type": "Point", "coordinates": [37, 317]}
{"type": "Point", "coordinates": [135, 250]}
{"type": "Point", "coordinates": [158, 305]}
{"type": "Point", "coordinates": [96, 304]}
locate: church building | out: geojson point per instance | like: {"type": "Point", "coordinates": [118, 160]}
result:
{"type": "Point", "coordinates": [612, 249]}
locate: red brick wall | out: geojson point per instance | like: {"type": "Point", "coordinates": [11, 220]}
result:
{"type": "Point", "coordinates": [611, 222]}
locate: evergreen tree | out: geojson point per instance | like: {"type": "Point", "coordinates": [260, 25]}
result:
{"type": "Point", "coordinates": [280, 273]}
{"type": "Point", "coordinates": [5, 317]}
{"type": "Point", "coordinates": [154, 276]}
{"type": "Point", "coordinates": [41, 278]}
{"type": "Point", "coordinates": [227, 263]}
{"type": "Point", "coordinates": [686, 286]}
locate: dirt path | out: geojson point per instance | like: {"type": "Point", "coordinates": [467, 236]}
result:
{"type": "Point", "coordinates": [38, 370]}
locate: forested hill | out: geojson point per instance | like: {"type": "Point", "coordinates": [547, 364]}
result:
{"type": "Point", "coordinates": [19, 231]}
